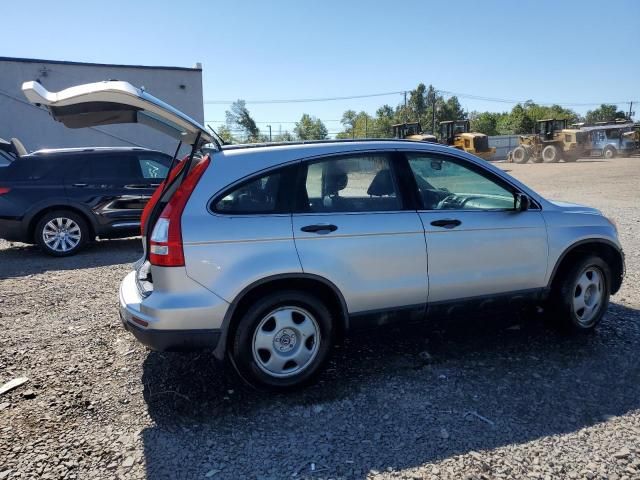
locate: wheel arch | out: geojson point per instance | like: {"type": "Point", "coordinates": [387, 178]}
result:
{"type": "Point", "coordinates": [35, 218]}
{"type": "Point", "coordinates": [319, 286]}
{"type": "Point", "coordinates": [605, 249]}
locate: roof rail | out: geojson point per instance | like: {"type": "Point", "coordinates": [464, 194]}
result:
{"type": "Point", "coordinates": [314, 142]}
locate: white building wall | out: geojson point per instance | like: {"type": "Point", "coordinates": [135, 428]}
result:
{"type": "Point", "coordinates": [179, 87]}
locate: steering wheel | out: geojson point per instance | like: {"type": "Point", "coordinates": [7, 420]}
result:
{"type": "Point", "coordinates": [448, 202]}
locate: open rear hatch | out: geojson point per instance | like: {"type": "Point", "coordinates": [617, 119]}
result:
{"type": "Point", "coordinates": [116, 102]}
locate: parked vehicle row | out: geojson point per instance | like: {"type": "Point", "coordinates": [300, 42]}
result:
{"type": "Point", "coordinates": [62, 198]}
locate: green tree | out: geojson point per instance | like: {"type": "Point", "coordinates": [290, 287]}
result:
{"type": "Point", "coordinates": [310, 128]}
{"type": "Point", "coordinates": [384, 121]}
{"type": "Point", "coordinates": [604, 113]}
{"type": "Point", "coordinates": [285, 136]}
{"type": "Point", "coordinates": [239, 118]}
{"type": "Point", "coordinates": [225, 134]}
{"type": "Point", "coordinates": [484, 122]}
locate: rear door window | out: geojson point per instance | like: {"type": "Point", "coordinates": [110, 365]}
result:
{"type": "Point", "coordinates": [355, 183]}
{"type": "Point", "coordinates": [106, 169]}
{"type": "Point", "coordinates": [268, 193]}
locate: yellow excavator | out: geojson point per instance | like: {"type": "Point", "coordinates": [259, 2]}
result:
{"type": "Point", "coordinates": [412, 131]}
{"type": "Point", "coordinates": [457, 134]}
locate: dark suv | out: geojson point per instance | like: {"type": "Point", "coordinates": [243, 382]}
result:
{"type": "Point", "coordinates": [62, 198]}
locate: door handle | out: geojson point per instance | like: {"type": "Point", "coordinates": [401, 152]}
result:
{"type": "Point", "coordinates": [136, 185]}
{"type": "Point", "coordinates": [446, 223]}
{"type": "Point", "coordinates": [79, 185]}
{"type": "Point", "coordinates": [319, 228]}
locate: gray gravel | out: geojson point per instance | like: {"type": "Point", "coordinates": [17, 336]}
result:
{"type": "Point", "coordinates": [471, 398]}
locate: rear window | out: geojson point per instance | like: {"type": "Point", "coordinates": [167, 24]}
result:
{"type": "Point", "coordinates": [154, 167]}
{"type": "Point", "coordinates": [5, 159]}
{"type": "Point", "coordinates": [34, 169]}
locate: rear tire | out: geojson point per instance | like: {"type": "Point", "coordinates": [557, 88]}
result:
{"type": "Point", "coordinates": [580, 297]}
{"type": "Point", "coordinates": [609, 153]}
{"type": "Point", "coordinates": [551, 154]}
{"type": "Point", "coordinates": [520, 155]}
{"type": "Point", "coordinates": [282, 341]}
{"type": "Point", "coordinates": [61, 233]}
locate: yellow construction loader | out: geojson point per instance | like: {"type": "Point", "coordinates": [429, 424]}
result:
{"type": "Point", "coordinates": [412, 131]}
{"type": "Point", "coordinates": [551, 142]}
{"type": "Point", "coordinates": [457, 134]}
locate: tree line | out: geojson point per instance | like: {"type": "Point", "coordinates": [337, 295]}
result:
{"type": "Point", "coordinates": [423, 104]}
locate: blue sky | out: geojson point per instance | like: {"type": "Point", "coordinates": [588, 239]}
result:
{"type": "Point", "coordinates": [548, 51]}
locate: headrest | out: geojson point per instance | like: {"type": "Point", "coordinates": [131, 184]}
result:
{"type": "Point", "coordinates": [18, 147]}
{"type": "Point", "coordinates": [382, 184]}
{"type": "Point", "coordinates": [334, 181]}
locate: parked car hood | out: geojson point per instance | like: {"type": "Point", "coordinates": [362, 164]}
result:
{"type": "Point", "coordinates": [115, 102]}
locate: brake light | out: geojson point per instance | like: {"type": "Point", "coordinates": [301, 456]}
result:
{"type": "Point", "coordinates": [165, 246]}
{"type": "Point", "coordinates": [4, 190]}
{"type": "Point", "coordinates": [156, 195]}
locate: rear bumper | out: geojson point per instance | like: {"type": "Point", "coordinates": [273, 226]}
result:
{"type": "Point", "coordinates": [173, 340]}
{"type": "Point", "coordinates": [190, 319]}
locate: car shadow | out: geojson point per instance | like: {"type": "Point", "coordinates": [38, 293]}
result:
{"type": "Point", "coordinates": [20, 259]}
{"type": "Point", "coordinates": [398, 398]}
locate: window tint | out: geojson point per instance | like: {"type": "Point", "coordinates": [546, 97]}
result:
{"type": "Point", "coordinates": [447, 185]}
{"type": "Point", "coordinates": [256, 196]}
{"type": "Point", "coordinates": [5, 159]}
{"type": "Point", "coordinates": [613, 134]}
{"type": "Point", "coordinates": [25, 169]}
{"type": "Point", "coordinates": [362, 183]}
{"type": "Point", "coordinates": [153, 168]}
{"type": "Point", "coordinates": [103, 167]}
{"type": "Point", "coordinates": [120, 166]}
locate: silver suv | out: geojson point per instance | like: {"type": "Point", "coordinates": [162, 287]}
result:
{"type": "Point", "coordinates": [268, 254]}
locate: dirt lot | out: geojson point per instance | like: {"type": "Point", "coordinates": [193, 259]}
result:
{"type": "Point", "coordinates": [496, 398]}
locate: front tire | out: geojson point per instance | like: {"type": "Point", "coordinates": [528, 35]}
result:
{"type": "Point", "coordinates": [61, 233]}
{"type": "Point", "coordinates": [282, 341]}
{"type": "Point", "coordinates": [581, 297]}
{"type": "Point", "coordinates": [609, 153]}
{"type": "Point", "coordinates": [551, 154]}
{"type": "Point", "coordinates": [520, 155]}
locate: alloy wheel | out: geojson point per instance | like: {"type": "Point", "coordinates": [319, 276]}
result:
{"type": "Point", "coordinates": [286, 341]}
{"type": "Point", "coordinates": [61, 234]}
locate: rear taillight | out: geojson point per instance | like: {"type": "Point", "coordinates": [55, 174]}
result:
{"type": "Point", "coordinates": [4, 190]}
{"type": "Point", "coordinates": [165, 246]}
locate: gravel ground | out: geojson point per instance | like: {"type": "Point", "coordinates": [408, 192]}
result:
{"type": "Point", "coordinates": [496, 398]}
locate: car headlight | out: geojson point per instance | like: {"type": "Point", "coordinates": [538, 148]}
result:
{"type": "Point", "coordinates": [613, 223]}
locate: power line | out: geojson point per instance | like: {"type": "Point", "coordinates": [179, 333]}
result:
{"type": "Point", "coordinates": [403, 92]}
{"type": "Point", "coordinates": [504, 100]}
{"type": "Point", "coordinates": [305, 100]}
{"type": "Point", "coordinates": [273, 121]}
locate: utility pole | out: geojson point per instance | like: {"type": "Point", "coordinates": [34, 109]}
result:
{"type": "Point", "coordinates": [630, 107]}
{"type": "Point", "coordinates": [366, 127]}
{"type": "Point", "coordinates": [405, 106]}
{"type": "Point", "coordinates": [433, 116]}
{"type": "Point", "coordinates": [269, 132]}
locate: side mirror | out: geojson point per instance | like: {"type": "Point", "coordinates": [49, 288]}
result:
{"type": "Point", "coordinates": [522, 202]}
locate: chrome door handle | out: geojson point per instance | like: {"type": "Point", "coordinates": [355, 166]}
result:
{"type": "Point", "coordinates": [79, 185]}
